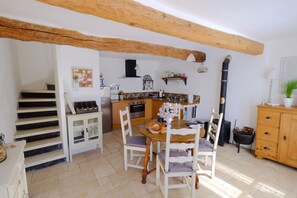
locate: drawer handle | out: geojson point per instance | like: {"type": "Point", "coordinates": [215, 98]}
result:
{"type": "Point", "coordinates": [267, 133]}
{"type": "Point", "coordinates": [268, 118]}
{"type": "Point", "coordinates": [285, 138]}
{"type": "Point", "coordinates": [266, 148]}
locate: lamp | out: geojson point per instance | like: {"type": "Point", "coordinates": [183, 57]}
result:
{"type": "Point", "coordinates": [137, 67]}
{"type": "Point", "coordinates": [202, 68]}
{"type": "Point", "coordinates": [272, 75]}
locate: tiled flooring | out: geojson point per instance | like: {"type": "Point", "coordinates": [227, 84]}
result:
{"type": "Point", "coordinates": [92, 174]}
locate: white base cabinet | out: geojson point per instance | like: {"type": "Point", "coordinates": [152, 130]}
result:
{"type": "Point", "coordinates": [84, 130]}
{"type": "Point", "coordinates": [13, 180]}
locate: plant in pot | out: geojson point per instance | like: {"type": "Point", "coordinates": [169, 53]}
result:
{"type": "Point", "coordinates": [289, 87]}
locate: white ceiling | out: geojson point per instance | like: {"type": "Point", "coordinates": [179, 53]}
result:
{"type": "Point", "coordinates": [263, 20]}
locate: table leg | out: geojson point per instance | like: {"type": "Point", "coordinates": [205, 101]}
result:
{"type": "Point", "coordinates": [146, 160]}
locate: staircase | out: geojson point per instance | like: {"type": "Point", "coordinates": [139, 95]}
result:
{"type": "Point", "coordinates": [38, 124]}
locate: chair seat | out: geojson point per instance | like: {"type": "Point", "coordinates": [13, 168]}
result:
{"type": "Point", "coordinates": [175, 166]}
{"type": "Point", "coordinates": [205, 145]}
{"type": "Point", "coordinates": [139, 141]}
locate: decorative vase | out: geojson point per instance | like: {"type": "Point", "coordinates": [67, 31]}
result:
{"type": "Point", "coordinates": [288, 102]}
{"type": "Point", "coordinates": [169, 120]}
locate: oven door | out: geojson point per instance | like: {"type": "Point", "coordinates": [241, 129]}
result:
{"type": "Point", "coordinates": [137, 110]}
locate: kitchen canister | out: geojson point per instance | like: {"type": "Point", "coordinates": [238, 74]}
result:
{"type": "Point", "coordinates": [3, 154]}
{"type": "Point", "coordinates": [190, 98]}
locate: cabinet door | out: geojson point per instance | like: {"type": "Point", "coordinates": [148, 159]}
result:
{"type": "Point", "coordinates": [148, 109]}
{"type": "Point", "coordinates": [116, 107]}
{"type": "Point", "coordinates": [287, 140]}
{"type": "Point", "coordinates": [92, 127]}
{"type": "Point", "coordinates": [78, 131]}
{"type": "Point", "coordinates": [155, 108]}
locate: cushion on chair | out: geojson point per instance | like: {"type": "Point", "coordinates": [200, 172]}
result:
{"type": "Point", "coordinates": [139, 141]}
{"type": "Point", "coordinates": [205, 145]}
{"type": "Point", "coordinates": [174, 166]}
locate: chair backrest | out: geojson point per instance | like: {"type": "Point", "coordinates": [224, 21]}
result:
{"type": "Point", "coordinates": [125, 124]}
{"type": "Point", "coordinates": [181, 146]}
{"type": "Point", "coordinates": [214, 128]}
{"type": "Point", "coordinates": [189, 111]}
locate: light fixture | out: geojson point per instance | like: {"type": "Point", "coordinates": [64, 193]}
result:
{"type": "Point", "coordinates": [202, 68]}
{"type": "Point", "coordinates": [272, 75]}
{"type": "Point", "coordinates": [191, 58]}
{"type": "Point", "coordinates": [137, 67]}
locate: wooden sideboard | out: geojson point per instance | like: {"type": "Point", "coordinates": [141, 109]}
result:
{"type": "Point", "coordinates": [276, 136]}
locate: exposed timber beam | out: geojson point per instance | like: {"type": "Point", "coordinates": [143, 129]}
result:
{"type": "Point", "coordinates": [135, 14]}
{"type": "Point", "coordinates": [24, 31]}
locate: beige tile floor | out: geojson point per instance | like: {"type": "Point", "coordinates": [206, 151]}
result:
{"type": "Point", "coordinates": [92, 174]}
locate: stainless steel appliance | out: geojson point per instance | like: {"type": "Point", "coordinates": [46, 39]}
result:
{"type": "Point", "coordinates": [137, 109]}
{"type": "Point", "coordinates": [106, 109]}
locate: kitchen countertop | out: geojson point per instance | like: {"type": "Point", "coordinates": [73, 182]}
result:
{"type": "Point", "coordinates": [157, 99]}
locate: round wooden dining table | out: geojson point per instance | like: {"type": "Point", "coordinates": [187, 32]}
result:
{"type": "Point", "coordinates": [161, 137]}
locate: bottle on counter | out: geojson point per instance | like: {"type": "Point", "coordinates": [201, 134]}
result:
{"type": "Point", "coordinates": [161, 93]}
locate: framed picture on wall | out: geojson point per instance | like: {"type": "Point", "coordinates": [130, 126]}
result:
{"type": "Point", "coordinates": [82, 77]}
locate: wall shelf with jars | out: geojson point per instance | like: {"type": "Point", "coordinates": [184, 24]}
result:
{"type": "Point", "coordinates": [166, 79]}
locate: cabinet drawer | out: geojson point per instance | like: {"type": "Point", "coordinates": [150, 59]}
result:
{"type": "Point", "coordinates": [269, 118]}
{"type": "Point", "coordinates": [266, 149]}
{"type": "Point", "coordinates": [267, 133]}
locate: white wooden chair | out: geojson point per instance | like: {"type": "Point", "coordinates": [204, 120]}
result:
{"type": "Point", "coordinates": [132, 143]}
{"type": "Point", "coordinates": [176, 162]}
{"type": "Point", "coordinates": [189, 112]}
{"type": "Point", "coordinates": [208, 146]}
{"type": "Point", "coordinates": [182, 108]}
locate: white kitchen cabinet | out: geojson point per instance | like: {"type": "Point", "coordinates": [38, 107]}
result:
{"type": "Point", "coordinates": [84, 130]}
{"type": "Point", "coordinates": [13, 180]}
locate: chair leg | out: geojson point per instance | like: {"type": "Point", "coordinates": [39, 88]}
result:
{"type": "Point", "coordinates": [213, 165]}
{"type": "Point", "coordinates": [131, 155]}
{"type": "Point", "coordinates": [205, 160]}
{"type": "Point", "coordinates": [193, 185]}
{"type": "Point", "coordinates": [158, 147]}
{"type": "Point", "coordinates": [125, 159]}
{"type": "Point", "coordinates": [151, 152]}
{"type": "Point", "coordinates": [157, 172]}
{"type": "Point", "coordinates": [165, 186]}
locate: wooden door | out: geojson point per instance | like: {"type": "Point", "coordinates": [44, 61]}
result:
{"type": "Point", "coordinates": [287, 151]}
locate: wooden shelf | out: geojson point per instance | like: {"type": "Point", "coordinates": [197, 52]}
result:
{"type": "Point", "coordinates": [175, 78]}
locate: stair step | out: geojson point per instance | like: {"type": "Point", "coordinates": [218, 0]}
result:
{"type": "Point", "coordinates": [50, 86]}
{"type": "Point", "coordinates": [34, 132]}
{"type": "Point", "coordinates": [38, 91]}
{"type": "Point", "coordinates": [35, 109]}
{"type": "Point", "coordinates": [37, 100]}
{"type": "Point", "coordinates": [42, 143]}
{"type": "Point", "coordinates": [44, 158]}
{"type": "Point", "coordinates": [23, 121]}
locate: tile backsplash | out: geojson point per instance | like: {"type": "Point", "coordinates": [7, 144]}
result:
{"type": "Point", "coordinates": [171, 96]}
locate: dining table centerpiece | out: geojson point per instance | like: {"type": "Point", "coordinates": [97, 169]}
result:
{"type": "Point", "coordinates": [168, 111]}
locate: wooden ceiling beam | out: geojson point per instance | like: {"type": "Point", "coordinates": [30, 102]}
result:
{"type": "Point", "coordinates": [137, 15]}
{"type": "Point", "coordinates": [24, 31]}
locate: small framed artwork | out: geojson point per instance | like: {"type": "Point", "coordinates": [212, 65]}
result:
{"type": "Point", "coordinates": [82, 77]}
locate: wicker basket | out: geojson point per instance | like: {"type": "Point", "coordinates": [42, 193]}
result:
{"type": "Point", "coordinates": [2, 153]}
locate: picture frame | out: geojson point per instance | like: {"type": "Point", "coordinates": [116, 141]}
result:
{"type": "Point", "coordinates": [82, 77]}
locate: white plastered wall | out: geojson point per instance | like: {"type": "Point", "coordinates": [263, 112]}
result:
{"type": "Point", "coordinates": [9, 89]}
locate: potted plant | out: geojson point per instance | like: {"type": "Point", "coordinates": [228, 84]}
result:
{"type": "Point", "coordinates": [289, 87]}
